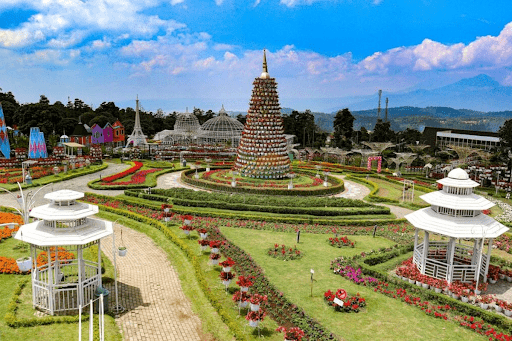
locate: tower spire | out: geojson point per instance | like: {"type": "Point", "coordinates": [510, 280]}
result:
{"type": "Point", "coordinates": [265, 69]}
{"type": "Point", "coordinates": [264, 74]}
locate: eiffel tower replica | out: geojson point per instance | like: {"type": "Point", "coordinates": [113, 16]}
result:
{"type": "Point", "coordinates": [137, 138]}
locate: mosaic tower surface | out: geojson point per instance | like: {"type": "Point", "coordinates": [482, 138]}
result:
{"type": "Point", "coordinates": [36, 144]}
{"type": "Point", "coordinates": [262, 152]}
{"type": "Point", "coordinates": [5, 148]}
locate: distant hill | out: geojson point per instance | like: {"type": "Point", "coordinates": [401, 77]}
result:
{"type": "Point", "coordinates": [481, 93]}
{"type": "Point", "coordinates": [402, 118]}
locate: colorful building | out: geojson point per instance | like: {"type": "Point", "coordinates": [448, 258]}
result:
{"type": "Point", "coordinates": [97, 134]}
{"type": "Point", "coordinates": [108, 133]}
{"type": "Point", "coordinates": [118, 134]}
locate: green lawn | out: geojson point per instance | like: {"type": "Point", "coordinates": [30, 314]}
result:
{"type": "Point", "coordinates": [394, 191]}
{"type": "Point", "coordinates": [384, 319]}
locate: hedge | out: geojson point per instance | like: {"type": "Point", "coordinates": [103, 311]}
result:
{"type": "Point", "coordinates": [336, 188]}
{"type": "Point", "coordinates": [260, 208]}
{"type": "Point", "coordinates": [293, 219]}
{"type": "Point", "coordinates": [264, 200]}
{"type": "Point", "coordinates": [70, 174]}
{"type": "Point", "coordinates": [150, 181]}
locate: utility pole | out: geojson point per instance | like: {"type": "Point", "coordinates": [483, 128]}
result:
{"type": "Point", "coordinates": [378, 109]}
{"type": "Point", "coordinates": [386, 114]}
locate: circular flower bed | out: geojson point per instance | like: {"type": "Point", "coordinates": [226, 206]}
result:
{"type": "Point", "coordinates": [285, 253]}
{"type": "Point", "coordinates": [342, 302]}
{"type": "Point", "coordinates": [304, 183]}
{"type": "Point", "coordinates": [341, 242]}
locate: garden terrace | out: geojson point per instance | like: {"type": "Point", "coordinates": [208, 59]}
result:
{"type": "Point", "coordinates": [315, 206]}
{"type": "Point", "coordinates": [305, 183]}
{"type": "Point", "coordinates": [216, 208]}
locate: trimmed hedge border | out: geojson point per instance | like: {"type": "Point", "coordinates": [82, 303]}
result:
{"type": "Point", "coordinates": [191, 255]}
{"type": "Point", "coordinates": [337, 187]}
{"type": "Point", "coordinates": [315, 211]}
{"type": "Point", "coordinates": [66, 177]}
{"type": "Point", "coordinates": [238, 215]}
{"type": "Point", "coordinates": [150, 181]}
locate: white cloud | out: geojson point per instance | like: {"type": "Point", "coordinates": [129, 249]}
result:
{"type": "Point", "coordinates": [219, 2]}
{"type": "Point", "coordinates": [223, 47]}
{"type": "Point", "coordinates": [175, 2]}
{"type": "Point", "coordinates": [488, 51]}
{"type": "Point", "coordinates": [57, 19]}
{"type": "Point", "coordinates": [101, 44]}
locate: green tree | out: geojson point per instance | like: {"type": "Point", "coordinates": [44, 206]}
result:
{"type": "Point", "coordinates": [505, 134]}
{"type": "Point", "coordinates": [343, 129]}
{"type": "Point", "coordinates": [382, 132]}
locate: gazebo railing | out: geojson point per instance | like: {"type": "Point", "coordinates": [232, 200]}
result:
{"type": "Point", "coordinates": [463, 273]}
{"type": "Point", "coordinates": [418, 255]}
{"type": "Point", "coordinates": [436, 269]}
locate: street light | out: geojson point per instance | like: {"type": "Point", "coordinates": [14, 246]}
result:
{"type": "Point", "coordinates": [118, 308]}
{"type": "Point", "coordinates": [26, 202]}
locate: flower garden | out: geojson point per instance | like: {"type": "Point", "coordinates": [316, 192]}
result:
{"type": "Point", "coordinates": [243, 260]}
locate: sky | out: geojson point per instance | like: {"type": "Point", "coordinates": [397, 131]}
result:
{"type": "Point", "coordinates": [175, 54]}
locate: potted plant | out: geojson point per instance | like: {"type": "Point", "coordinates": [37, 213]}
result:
{"type": "Point", "coordinates": [226, 277]}
{"type": "Point", "coordinates": [507, 309]}
{"type": "Point", "coordinates": [214, 245]}
{"type": "Point", "coordinates": [242, 298]}
{"type": "Point", "coordinates": [214, 257]}
{"type": "Point", "coordinates": [254, 317]}
{"type": "Point", "coordinates": [484, 301]}
{"type": "Point", "coordinates": [256, 300]}
{"type": "Point", "coordinates": [122, 250]}
{"type": "Point", "coordinates": [245, 282]}
{"type": "Point", "coordinates": [203, 244]}
{"type": "Point", "coordinates": [464, 295]}
{"type": "Point", "coordinates": [186, 229]}
{"type": "Point", "coordinates": [187, 219]}
{"type": "Point", "coordinates": [203, 233]}
{"type": "Point", "coordinates": [24, 263]}
{"type": "Point", "coordinates": [227, 264]}
{"type": "Point", "coordinates": [291, 334]}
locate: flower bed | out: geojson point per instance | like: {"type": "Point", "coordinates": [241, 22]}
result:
{"type": "Point", "coordinates": [341, 242]}
{"type": "Point", "coordinates": [137, 165]}
{"type": "Point", "coordinates": [352, 304]}
{"type": "Point", "coordinates": [136, 179]}
{"type": "Point", "coordinates": [285, 253]}
{"type": "Point", "coordinates": [9, 266]}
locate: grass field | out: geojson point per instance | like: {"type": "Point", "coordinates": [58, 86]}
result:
{"type": "Point", "coordinates": [390, 190]}
{"type": "Point", "coordinates": [384, 319]}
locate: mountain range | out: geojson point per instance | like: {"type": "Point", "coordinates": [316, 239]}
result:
{"type": "Point", "coordinates": [480, 93]}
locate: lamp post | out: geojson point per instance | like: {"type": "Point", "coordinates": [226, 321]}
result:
{"type": "Point", "coordinates": [25, 201]}
{"type": "Point", "coordinates": [233, 182]}
{"type": "Point", "coordinates": [326, 173]}
{"type": "Point", "coordinates": [291, 176]}
{"type": "Point", "coordinates": [118, 308]}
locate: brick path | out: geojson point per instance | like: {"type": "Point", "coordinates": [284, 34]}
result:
{"type": "Point", "coordinates": [150, 291]}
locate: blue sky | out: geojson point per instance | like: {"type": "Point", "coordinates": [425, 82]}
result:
{"type": "Point", "coordinates": [178, 53]}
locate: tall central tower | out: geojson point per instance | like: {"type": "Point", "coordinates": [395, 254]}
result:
{"type": "Point", "coordinates": [262, 151]}
{"type": "Point", "coordinates": [137, 138]}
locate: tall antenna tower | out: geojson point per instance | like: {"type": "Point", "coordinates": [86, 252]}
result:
{"type": "Point", "coordinates": [386, 114]}
{"type": "Point", "coordinates": [378, 109]}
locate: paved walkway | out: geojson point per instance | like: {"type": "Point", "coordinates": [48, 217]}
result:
{"type": "Point", "coordinates": [150, 291]}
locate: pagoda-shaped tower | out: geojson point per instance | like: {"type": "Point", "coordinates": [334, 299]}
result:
{"type": "Point", "coordinates": [137, 138]}
{"type": "Point", "coordinates": [456, 214]}
{"type": "Point", "coordinates": [262, 151]}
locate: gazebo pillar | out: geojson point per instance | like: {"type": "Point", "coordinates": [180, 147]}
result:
{"type": "Point", "coordinates": [416, 231]}
{"type": "Point", "coordinates": [80, 275]}
{"type": "Point", "coordinates": [49, 280]}
{"type": "Point", "coordinates": [425, 252]}
{"type": "Point", "coordinates": [488, 256]}
{"type": "Point", "coordinates": [449, 259]}
{"type": "Point", "coordinates": [474, 257]}
{"type": "Point", "coordinates": [99, 263]}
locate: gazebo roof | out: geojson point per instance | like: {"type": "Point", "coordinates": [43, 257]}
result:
{"type": "Point", "coordinates": [55, 212]}
{"type": "Point", "coordinates": [481, 226]}
{"type": "Point", "coordinates": [457, 202]}
{"type": "Point", "coordinates": [458, 178]}
{"type": "Point", "coordinates": [64, 195]}
{"type": "Point", "coordinates": [37, 233]}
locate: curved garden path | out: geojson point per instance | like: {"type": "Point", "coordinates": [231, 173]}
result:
{"type": "Point", "coordinates": [150, 291]}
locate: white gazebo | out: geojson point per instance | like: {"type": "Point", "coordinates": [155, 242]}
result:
{"type": "Point", "coordinates": [456, 213]}
{"type": "Point", "coordinates": [61, 286]}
